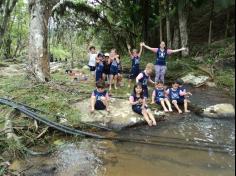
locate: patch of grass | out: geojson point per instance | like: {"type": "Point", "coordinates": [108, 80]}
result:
{"type": "Point", "coordinates": [2, 64]}
{"type": "Point", "coordinates": [43, 96]}
{"type": "Point", "coordinates": [226, 79]}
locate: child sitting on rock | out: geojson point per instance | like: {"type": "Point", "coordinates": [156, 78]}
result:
{"type": "Point", "coordinates": [138, 103]}
{"type": "Point", "coordinates": [159, 96]}
{"type": "Point", "coordinates": [174, 94]}
{"type": "Point", "coordinates": [99, 97]}
{"type": "Point", "coordinates": [183, 94]}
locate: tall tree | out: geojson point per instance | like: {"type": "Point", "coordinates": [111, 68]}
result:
{"type": "Point", "coordinates": [38, 47]}
{"type": "Point", "coordinates": [6, 8]}
{"type": "Point", "coordinates": [211, 21]}
{"type": "Point", "coordinates": [182, 14]}
{"type": "Point", "coordinates": [168, 34]}
{"type": "Point", "coordinates": [160, 19]}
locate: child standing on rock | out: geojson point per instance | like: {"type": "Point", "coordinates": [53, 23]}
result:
{"type": "Point", "coordinates": [135, 58]}
{"type": "Point", "coordinates": [106, 70]}
{"type": "Point", "coordinates": [92, 59]}
{"type": "Point", "coordinates": [161, 56]}
{"type": "Point", "coordinates": [99, 67]}
{"type": "Point", "coordinates": [138, 103]}
{"type": "Point", "coordinates": [144, 78]}
{"type": "Point", "coordinates": [114, 60]}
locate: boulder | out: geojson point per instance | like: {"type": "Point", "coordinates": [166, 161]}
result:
{"type": "Point", "coordinates": [55, 67]}
{"type": "Point", "coordinates": [121, 115]}
{"type": "Point", "coordinates": [223, 110]}
{"type": "Point", "coordinates": [210, 84]}
{"type": "Point", "coordinates": [198, 59]}
{"type": "Point", "coordinates": [195, 80]}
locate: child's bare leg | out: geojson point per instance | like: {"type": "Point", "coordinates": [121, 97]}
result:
{"type": "Point", "coordinates": [168, 104]}
{"type": "Point", "coordinates": [176, 106]}
{"type": "Point", "coordinates": [108, 79]}
{"type": "Point", "coordinates": [115, 81]}
{"type": "Point", "coordinates": [105, 102]}
{"type": "Point", "coordinates": [111, 78]}
{"type": "Point", "coordinates": [163, 105]}
{"type": "Point", "coordinates": [186, 105]}
{"type": "Point", "coordinates": [145, 116]}
{"type": "Point", "coordinates": [152, 118]}
{"type": "Point", "coordinates": [129, 82]}
{"type": "Point", "coordinates": [92, 103]}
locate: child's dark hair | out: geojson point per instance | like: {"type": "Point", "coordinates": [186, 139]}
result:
{"type": "Point", "coordinates": [135, 86]}
{"type": "Point", "coordinates": [100, 84]}
{"type": "Point", "coordinates": [100, 55]}
{"type": "Point", "coordinates": [68, 71]}
{"type": "Point", "coordinates": [175, 82]}
{"type": "Point", "coordinates": [91, 47]}
{"type": "Point", "coordinates": [159, 82]}
{"type": "Point", "coordinates": [180, 81]}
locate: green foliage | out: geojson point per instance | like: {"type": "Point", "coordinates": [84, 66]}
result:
{"type": "Point", "coordinates": [15, 38]}
{"type": "Point", "coordinates": [226, 79]}
{"type": "Point", "coordinates": [60, 52]}
{"type": "Point", "coordinates": [223, 4]}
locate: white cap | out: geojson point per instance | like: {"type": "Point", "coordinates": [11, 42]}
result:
{"type": "Point", "coordinates": [106, 54]}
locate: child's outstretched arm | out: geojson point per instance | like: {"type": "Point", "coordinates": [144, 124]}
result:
{"type": "Point", "coordinates": [141, 49]}
{"type": "Point", "coordinates": [153, 96]}
{"type": "Point", "coordinates": [151, 81]}
{"type": "Point", "coordinates": [149, 48]}
{"type": "Point", "coordinates": [178, 50]}
{"type": "Point", "coordinates": [129, 47]}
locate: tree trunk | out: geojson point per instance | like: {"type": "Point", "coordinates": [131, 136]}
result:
{"type": "Point", "coordinates": [145, 5]}
{"type": "Point", "coordinates": [175, 43]}
{"type": "Point", "coordinates": [168, 34]}
{"type": "Point", "coordinates": [161, 35]}
{"type": "Point", "coordinates": [9, 6]}
{"type": "Point", "coordinates": [227, 23]}
{"type": "Point", "coordinates": [160, 27]}
{"type": "Point", "coordinates": [210, 24]}
{"type": "Point", "coordinates": [183, 29]}
{"type": "Point", "coordinates": [38, 49]}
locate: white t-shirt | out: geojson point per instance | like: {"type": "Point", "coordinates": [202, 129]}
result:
{"type": "Point", "coordinates": [92, 59]}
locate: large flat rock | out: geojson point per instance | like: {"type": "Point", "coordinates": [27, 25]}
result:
{"type": "Point", "coordinates": [121, 115]}
{"type": "Point", "coordinates": [223, 110]}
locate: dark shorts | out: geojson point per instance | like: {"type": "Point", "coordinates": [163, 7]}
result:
{"type": "Point", "coordinates": [180, 101]}
{"type": "Point", "coordinates": [113, 72]}
{"type": "Point", "coordinates": [138, 109]}
{"type": "Point", "coordinates": [106, 72]}
{"type": "Point", "coordinates": [92, 68]}
{"type": "Point", "coordinates": [134, 73]}
{"type": "Point", "coordinates": [158, 100]}
{"type": "Point", "coordinates": [98, 76]}
{"type": "Point", "coordinates": [145, 92]}
{"type": "Point", "coordinates": [99, 105]}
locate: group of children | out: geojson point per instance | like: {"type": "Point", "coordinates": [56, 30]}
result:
{"type": "Point", "coordinates": [107, 66]}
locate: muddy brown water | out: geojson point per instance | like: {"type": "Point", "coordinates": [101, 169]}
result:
{"type": "Point", "coordinates": [187, 145]}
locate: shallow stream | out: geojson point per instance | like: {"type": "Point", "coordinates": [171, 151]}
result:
{"type": "Point", "coordinates": [187, 145]}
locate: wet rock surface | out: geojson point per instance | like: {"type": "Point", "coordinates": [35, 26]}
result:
{"type": "Point", "coordinates": [223, 110]}
{"type": "Point", "coordinates": [121, 115]}
{"type": "Point", "coordinates": [195, 80]}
